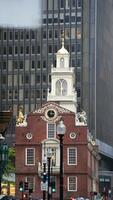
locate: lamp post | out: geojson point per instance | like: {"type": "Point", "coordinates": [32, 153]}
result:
{"type": "Point", "coordinates": [61, 129]}
{"type": "Point", "coordinates": [49, 164]}
{"type": "Point", "coordinates": [44, 176]}
{"type": "Point", "coordinates": [3, 158]}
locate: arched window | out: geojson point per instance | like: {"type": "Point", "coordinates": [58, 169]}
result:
{"type": "Point", "coordinates": [61, 87]}
{"type": "Point", "coordinates": [62, 62]}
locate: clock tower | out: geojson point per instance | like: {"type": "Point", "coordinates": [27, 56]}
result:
{"type": "Point", "coordinates": [63, 81]}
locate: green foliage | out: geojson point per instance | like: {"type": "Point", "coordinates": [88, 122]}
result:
{"type": "Point", "coordinates": [10, 167]}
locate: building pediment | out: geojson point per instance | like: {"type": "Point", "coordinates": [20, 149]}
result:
{"type": "Point", "coordinates": [50, 105]}
{"type": "Point", "coordinates": [52, 112]}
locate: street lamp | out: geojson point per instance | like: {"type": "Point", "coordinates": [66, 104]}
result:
{"type": "Point", "coordinates": [61, 129]}
{"type": "Point", "coordinates": [49, 164]}
{"type": "Point", "coordinates": [3, 158]}
{"type": "Point", "coordinates": [44, 175]}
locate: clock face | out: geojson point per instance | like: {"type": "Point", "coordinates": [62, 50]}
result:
{"type": "Point", "coordinates": [51, 113]}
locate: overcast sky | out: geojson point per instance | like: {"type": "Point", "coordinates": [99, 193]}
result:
{"type": "Point", "coordinates": [20, 13]}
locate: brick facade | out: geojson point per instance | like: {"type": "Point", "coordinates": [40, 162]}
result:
{"type": "Point", "coordinates": [86, 168]}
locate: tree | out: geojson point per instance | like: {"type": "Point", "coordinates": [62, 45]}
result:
{"type": "Point", "coordinates": [10, 167]}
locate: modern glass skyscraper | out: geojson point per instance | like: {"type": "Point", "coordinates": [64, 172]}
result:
{"type": "Point", "coordinates": [26, 55]}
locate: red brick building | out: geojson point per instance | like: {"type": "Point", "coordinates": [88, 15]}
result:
{"type": "Point", "coordinates": [36, 136]}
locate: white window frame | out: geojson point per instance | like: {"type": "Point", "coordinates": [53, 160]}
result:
{"type": "Point", "coordinates": [75, 183]}
{"type": "Point", "coordinates": [53, 130]}
{"type": "Point", "coordinates": [75, 155]}
{"type": "Point", "coordinates": [27, 156]}
{"type": "Point", "coordinates": [61, 87]}
{"type": "Point", "coordinates": [49, 143]}
{"type": "Point", "coordinates": [30, 183]}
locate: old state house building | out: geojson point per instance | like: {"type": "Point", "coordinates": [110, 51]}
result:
{"type": "Point", "coordinates": [38, 144]}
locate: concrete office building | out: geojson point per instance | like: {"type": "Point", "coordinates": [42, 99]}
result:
{"type": "Point", "coordinates": [97, 80]}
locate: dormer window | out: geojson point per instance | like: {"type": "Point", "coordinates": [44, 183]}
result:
{"type": "Point", "coordinates": [61, 87]}
{"type": "Point", "coordinates": [62, 62]}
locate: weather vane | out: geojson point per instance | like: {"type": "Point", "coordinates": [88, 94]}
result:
{"type": "Point", "coordinates": [62, 38]}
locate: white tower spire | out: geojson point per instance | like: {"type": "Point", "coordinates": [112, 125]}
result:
{"type": "Point", "coordinates": [63, 81]}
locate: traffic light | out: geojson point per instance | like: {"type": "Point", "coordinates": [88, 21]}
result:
{"type": "Point", "coordinates": [53, 186]}
{"type": "Point", "coordinates": [21, 186]}
{"type": "Point", "coordinates": [26, 186]}
{"type": "Point", "coordinates": [44, 177]}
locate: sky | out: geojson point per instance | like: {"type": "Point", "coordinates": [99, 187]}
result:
{"type": "Point", "coordinates": [20, 13]}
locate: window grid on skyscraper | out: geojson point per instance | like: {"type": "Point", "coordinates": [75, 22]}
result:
{"type": "Point", "coordinates": [31, 52]}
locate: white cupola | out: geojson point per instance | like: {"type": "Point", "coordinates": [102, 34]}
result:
{"type": "Point", "coordinates": [62, 57]}
{"type": "Point", "coordinates": [63, 81]}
